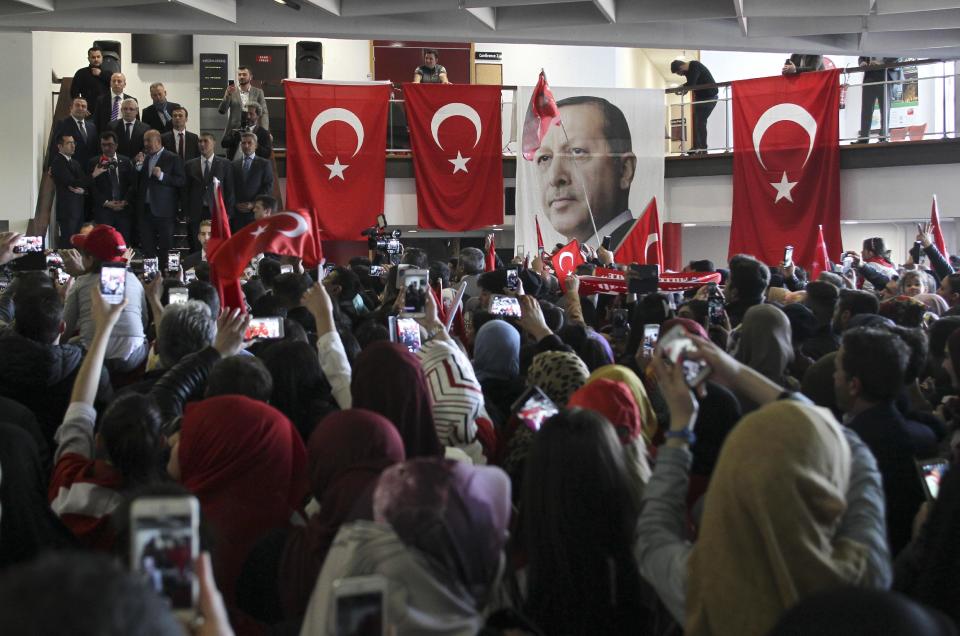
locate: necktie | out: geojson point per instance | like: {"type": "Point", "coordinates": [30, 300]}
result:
{"type": "Point", "coordinates": [180, 150]}
{"type": "Point", "coordinates": [83, 129]}
{"type": "Point", "coordinates": [206, 168]}
{"type": "Point", "coordinates": [115, 112]}
{"type": "Point", "coordinates": [246, 164]}
{"type": "Point", "coordinates": [129, 131]}
{"type": "Point", "coordinates": [114, 183]}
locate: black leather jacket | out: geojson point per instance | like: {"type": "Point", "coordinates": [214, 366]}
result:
{"type": "Point", "coordinates": [179, 383]}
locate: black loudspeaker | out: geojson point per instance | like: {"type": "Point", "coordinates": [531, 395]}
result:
{"type": "Point", "coordinates": [111, 55]}
{"type": "Point", "coordinates": [310, 60]}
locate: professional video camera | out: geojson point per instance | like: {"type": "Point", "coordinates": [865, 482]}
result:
{"type": "Point", "coordinates": [380, 240]}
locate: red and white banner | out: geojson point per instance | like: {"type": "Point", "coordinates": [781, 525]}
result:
{"type": "Point", "coordinates": [786, 166]}
{"type": "Point", "coordinates": [613, 281]}
{"type": "Point", "coordinates": [336, 159]}
{"type": "Point", "coordinates": [229, 290]}
{"type": "Point", "coordinates": [642, 244]}
{"type": "Point", "coordinates": [455, 135]}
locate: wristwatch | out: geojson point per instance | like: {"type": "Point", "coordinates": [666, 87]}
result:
{"type": "Point", "coordinates": [686, 434]}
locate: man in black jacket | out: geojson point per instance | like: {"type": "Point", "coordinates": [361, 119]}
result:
{"type": "Point", "coordinates": [252, 175]}
{"type": "Point", "coordinates": [705, 99]}
{"type": "Point", "coordinates": [113, 187]}
{"type": "Point", "coordinates": [874, 90]}
{"type": "Point", "coordinates": [35, 369]}
{"type": "Point", "coordinates": [158, 196]}
{"type": "Point", "coordinates": [91, 82]}
{"type": "Point", "coordinates": [158, 115]}
{"type": "Point", "coordinates": [71, 182]}
{"type": "Point", "coordinates": [251, 124]}
{"type": "Point", "coordinates": [178, 139]}
{"type": "Point", "coordinates": [799, 63]}
{"type": "Point", "coordinates": [200, 173]}
{"type": "Point", "coordinates": [78, 125]}
{"type": "Point", "coordinates": [129, 129]}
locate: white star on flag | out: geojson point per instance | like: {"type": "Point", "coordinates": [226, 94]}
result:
{"type": "Point", "coordinates": [336, 169]}
{"type": "Point", "coordinates": [260, 230]}
{"type": "Point", "coordinates": [460, 163]}
{"type": "Point", "coordinates": [783, 189]}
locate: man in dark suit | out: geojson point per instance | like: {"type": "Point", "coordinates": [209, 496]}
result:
{"type": "Point", "coordinates": [875, 90]}
{"type": "Point", "coordinates": [91, 81]}
{"type": "Point", "coordinates": [71, 182]}
{"type": "Point", "coordinates": [178, 139]}
{"type": "Point", "coordinates": [81, 129]}
{"type": "Point", "coordinates": [251, 124]}
{"type": "Point", "coordinates": [113, 187]}
{"type": "Point", "coordinates": [129, 130]}
{"type": "Point", "coordinates": [252, 175]}
{"type": "Point", "coordinates": [109, 106]}
{"type": "Point", "coordinates": [159, 114]}
{"type": "Point", "coordinates": [199, 202]}
{"type": "Point", "coordinates": [158, 196]}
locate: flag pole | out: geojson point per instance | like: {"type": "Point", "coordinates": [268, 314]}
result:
{"type": "Point", "coordinates": [583, 184]}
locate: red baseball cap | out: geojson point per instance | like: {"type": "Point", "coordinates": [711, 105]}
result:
{"type": "Point", "coordinates": [103, 243]}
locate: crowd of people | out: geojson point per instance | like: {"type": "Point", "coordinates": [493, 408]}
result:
{"type": "Point", "coordinates": [141, 172]}
{"type": "Point", "coordinates": [775, 490]}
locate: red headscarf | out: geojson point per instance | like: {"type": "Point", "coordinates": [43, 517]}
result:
{"type": "Point", "coordinates": [389, 380]}
{"type": "Point", "coordinates": [246, 464]}
{"type": "Point", "coordinates": [691, 326]}
{"type": "Point", "coordinates": [615, 402]}
{"type": "Point", "coordinates": [347, 452]}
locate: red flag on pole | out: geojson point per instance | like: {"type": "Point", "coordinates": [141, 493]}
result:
{"type": "Point", "coordinates": [566, 259]}
{"type": "Point", "coordinates": [542, 112]}
{"type": "Point", "coordinates": [289, 233]}
{"type": "Point", "coordinates": [231, 296]}
{"type": "Point", "coordinates": [490, 263]}
{"type": "Point", "coordinates": [536, 220]}
{"type": "Point", "coordinates": [937, 232]}
{"type": "Point", "coordinates": [336, 135]}
{"type": "Point", "coordinates": [455, 135]}
{"type": "Point", "coordinates": [821, 260]}
{"type": "Point", "coordinates": [786, 165]}
{"type": "Point", "coordinates": [642, 243]}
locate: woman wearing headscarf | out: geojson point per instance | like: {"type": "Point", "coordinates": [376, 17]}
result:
{"type": "Point", "coordinates": [496, 360]}
{"type": "Point", "coordinates": [934, 303]}
{"type": "Point", "coordinates": [558, 374]}
{"type": "Point", "coordinates": [389, 380]}
{"type": "Point", "coordinates": [766, 344]}
{"type": "Point", "coordinates": [438, 537]}
{"type": "Point", "coordinates": [578, 516]}
{"type": "Point", "coordinates": [247, 465]}
{"type": "Point", "coordinates": [795, 507]}
{"type": "Point", "coordinates": [28, 526]}
{"type": "Point", "coordinates": [620, 373]}
{"type": "Point", "coordinates": [347, 453]}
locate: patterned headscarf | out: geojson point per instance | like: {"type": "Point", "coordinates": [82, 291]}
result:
{"type": "Point", "coordinates": [558, 374]}
{"type": "Point", "coordinates": [457, 396]}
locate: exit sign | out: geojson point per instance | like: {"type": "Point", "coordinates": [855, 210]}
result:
{"type": "Point", "coordinates": [264, 59]}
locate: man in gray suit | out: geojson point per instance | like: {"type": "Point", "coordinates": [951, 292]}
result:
{"type": "Point", "coordinates": [236, 99]}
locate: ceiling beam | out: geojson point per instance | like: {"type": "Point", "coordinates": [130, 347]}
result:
{"type": "Point", "coordinates": [363, 8]}
{"type": "Point", "coordinates": [42, 5]}
{"type": "Point", "coordinates": [223, 9]}
{"type": "Point", "coordinates": [486, 15]}
{"type": "Point", "coordinates": [634, 11]}
{"type": "Point", "coordinates": [766, 27]}
{"type": "Point", "coordinates": [887, 7]}
{"type": "Point", "coordinates": [781, 9]}
{"type": "Point", "coordinates": [330, 6]}
{"type": "Point", "coordinates": [915, 21]}
{"type": "Point", "coordinates": [475, 4]}
{"type": "Point", "coordinates": [608, 8]}
{"type": "Point", "coordinates": [561, 15]}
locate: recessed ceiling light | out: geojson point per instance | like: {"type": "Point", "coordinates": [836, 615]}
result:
{"type": "Point", "coordinates": [498, 229]}
{"type": "Point", "coordinates": [689, 225]}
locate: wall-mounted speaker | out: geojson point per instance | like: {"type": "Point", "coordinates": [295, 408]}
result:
{"type": "Point", "coordinates": [111, 55]}
{"type": "Point", "coordinates": [310, 60]}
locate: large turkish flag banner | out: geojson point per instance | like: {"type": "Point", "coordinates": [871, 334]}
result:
{"type": "Point", "coordinates": [336, 152]}
{"type": "Point", "coordinates": [455, 136]}
{"type": "Point", "coordinates": [786, 166]}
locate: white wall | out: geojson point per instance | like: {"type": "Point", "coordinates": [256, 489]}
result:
{"type": "Point", "coordinates": [586, 66]}
{"type": "Point", "coordinates": [16, 53]}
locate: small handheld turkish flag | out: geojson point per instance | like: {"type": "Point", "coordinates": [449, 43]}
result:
{"type": "Point", "coordinates": [566, 259]}
{"type": "Point", "coordinates": [490, 258]}
{"type": "Point", "coordinates": [821, 261]}
{"type": "Point", "coordinates": [536, 220]}
{"type": "Point", "coordinates": [289, 233]}
{"type": "Point", "coordinates": [642, 243]}
{"type": "Point", "coordinates": [542, 112]}
{"type": "Point", "coordinates": [231, 296]}
{"type": "Point", "coordinates": [935, 225]}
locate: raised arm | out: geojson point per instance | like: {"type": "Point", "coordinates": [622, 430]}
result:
{"type": "Point", "coordinates": [333, 357]}
{"type": "Point", "coordinates": [105, 317]}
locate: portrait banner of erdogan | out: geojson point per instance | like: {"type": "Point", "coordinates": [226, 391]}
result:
{"type": "Point", "coordinates": [613, 158]}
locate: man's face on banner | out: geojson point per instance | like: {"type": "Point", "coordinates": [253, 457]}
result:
{"type": "Point", "coordinates": [607, 177]}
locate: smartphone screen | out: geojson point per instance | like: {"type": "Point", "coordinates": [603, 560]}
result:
{"type": "Point", "coordinates": [650, 335]}
{"type": "Point", "coordinates": [534, 408]}
{"type": "Point", "coordinates": [178, 295]}
{"type": "Point", "coordinates": [504, 306]}
{"type": "Point", "coordinates": [674, 345]}
{"type": "Point", "coordinates": [261, 328]}
{"type": "Point", "coordinates": [376, 271]}
{"type": "Point", "coordinates": [381, 221]}
{"type": "Point", "coordinates": [408, 334]}
{"type": "Point", "coordinates": [28, 244]}
{"type": "Point", "coordinates": [932, 472]}
{"type": "Point", "coordinates": [360, 614]}
{"type": "Point", "coordinates": [788, 254]}
{"type": "Point", "coordinates": [229, 82]}
{"type": "Point", "coordinates": [164, 544]}
{"type": "Point", "coordinates": [286, 269]}
{"type": "Point", "coordinates": [190, 275]}
{"type": "Point", "coordinates": [415, 291]}
{"type": "Point", "coordinates": [173, 261]}
{"type": "Point", "coordinates": [513, 279]}
{"type": "Point", "coordinates": [605, 243]}
{"type": "Point", "coordinates": [113, 280]}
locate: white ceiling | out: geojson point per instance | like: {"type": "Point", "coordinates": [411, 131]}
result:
{"type": "Point", "coordinates": [920, 28]}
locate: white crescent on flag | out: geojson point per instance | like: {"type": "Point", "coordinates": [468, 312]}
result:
{"type": "Point", "coordinates": [301, 228]}
{"type": "Point", "coordinates": [336, 114]}
{"type": "Point", "coordinates": [455, 109]}
{"type": "Point", "coordinates": [651, 239]}
{"type": "Point", "coordinates": [560, 260]}
{"type": "Point", "coordinates": [784, 112]}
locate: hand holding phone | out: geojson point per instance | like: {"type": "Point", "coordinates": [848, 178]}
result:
{"type": "Point", "coordinates": [264, 328]}
{"type": "Point", "coordinates": [113, 279]}
{"type": "Point", "coordinates": [415, 283]}
{"type": "Point", "coordinates": [28, 245]}
{"type": "Point", "coordinates": [360, 606]}
{"type": "Point", "coordinates": [675, 346]}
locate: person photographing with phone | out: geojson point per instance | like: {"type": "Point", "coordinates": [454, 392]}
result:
{"type": "Point", "coordinates": [837, 536]}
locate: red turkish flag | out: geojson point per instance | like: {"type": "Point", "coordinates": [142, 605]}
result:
{"type": "Point", "coordinates": [821, 260]}
{"type": "Point", "coordinates": [786, 165]}
{"type": "Point", "coordinates": [542, 112]}
{"type": "Point", "coordinates": [231, 295]}
{"type": "Point", "coordinates": [289, 233]}
{"type": "Point", "coordinates": [935, 225]}
{"type": "Point", "coordinates": [642, 243]}
{"type": "Point", "coordinates": [566, 259]}
{"type": "Point", "coordinates": [336, 152]}
{"type": "Point", "coordinates": [457, 154]}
